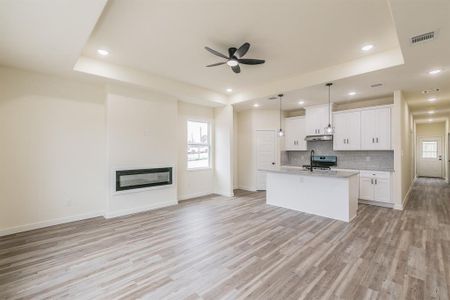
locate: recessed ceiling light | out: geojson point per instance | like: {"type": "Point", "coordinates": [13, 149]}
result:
{"type": "Point", "coordinates": [352, 93]}
{"type": "Point", "coordinates": [256, 105]}
{"type": "Point", "coordinates": [229, 90]}
{"type": "Point", "coordinates": [431, 99]}
{"type": "Point", "coordinates": [103, 52]}
{"type": "Point", "coordinates": [301, 102]}
{"type": "Point", "coordinates": [435, 71]}
{"type": "Point", "coordinates": [431, 112]}
{"type": "Point", "coordinates": [430, 120]}
{"type": "Point", "coordinates": [367, 47]}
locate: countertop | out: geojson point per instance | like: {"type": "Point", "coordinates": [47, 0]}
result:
{"type": "Point", "coordinates": [340, 168]}
{"type": "Point", "coordinates": [320, 173]}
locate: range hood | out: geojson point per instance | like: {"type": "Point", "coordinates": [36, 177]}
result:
{"type": "Point", "coordinates": [320, 137]}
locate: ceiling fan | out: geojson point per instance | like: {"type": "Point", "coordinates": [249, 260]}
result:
{"type": "Point", "coordinates": [234, 58]}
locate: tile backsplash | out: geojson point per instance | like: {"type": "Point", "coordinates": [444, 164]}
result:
{"type": "Point", "coordinates": [359, 160]}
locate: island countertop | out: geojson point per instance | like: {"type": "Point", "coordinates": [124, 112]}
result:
{"type": "Point", "coordinates": [319, 173]}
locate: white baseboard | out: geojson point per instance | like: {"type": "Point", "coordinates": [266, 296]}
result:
{"type": "Point", "coordinates": [406, 199]}
{"type": "Point", "coordinates": [247, 188]}
{"type": "Point", "coordinates": [377, 203]}
{"type": "Point", "coordinates": [42, 224]}
{"type": "Point", "coordinates": [134, 210]}
{"type": "Point", "coordinates": [194, 195]}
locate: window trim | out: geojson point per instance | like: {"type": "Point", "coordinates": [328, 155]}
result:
{"type": "Point", "coordinates": [208, 123]}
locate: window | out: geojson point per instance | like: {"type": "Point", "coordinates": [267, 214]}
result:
{"type": "Point", "coordinates": [429, 150]}
{"type": "Point", "coordinates": [198, 145]}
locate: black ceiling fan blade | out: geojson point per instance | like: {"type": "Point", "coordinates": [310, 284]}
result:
{"type": "Point", "coordinates": [251, 61]}
{"type": "Point", "coordinates": [236, 69]}
{"type": "Point", "coordinates": [216, 53]}
{"type": "Point", "coordinates": [231, 51]}
{"type": "Point", "coordinates": [216, 64]}
{"type": "Point", "coordinates": [242, 49]}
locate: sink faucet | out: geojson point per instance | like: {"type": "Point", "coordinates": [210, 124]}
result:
{"type": "Point", "coordinates": [311, 160]}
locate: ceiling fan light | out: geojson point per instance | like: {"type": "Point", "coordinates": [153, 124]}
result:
{"type": "Point", "coordinates": [232, 63]}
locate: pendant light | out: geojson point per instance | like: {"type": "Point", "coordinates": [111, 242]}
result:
{"type": "Point", "coordinates": [329, 129]}
{"type": "Point", "coordinates": [281, 132]}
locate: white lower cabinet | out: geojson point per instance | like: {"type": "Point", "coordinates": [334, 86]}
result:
{"type": "Point", "coordinates": [375, 186]}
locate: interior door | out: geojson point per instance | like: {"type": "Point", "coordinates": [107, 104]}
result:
{"type": "Point", "coordinates": [266, 157]}
{"type": "Point", "coordinates": [430, 162]}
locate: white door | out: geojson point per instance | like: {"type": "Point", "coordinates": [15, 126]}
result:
{"type": "Point", "coordinates": [266, 157]}
{"type": "Point", "coordinates": [430, 162]}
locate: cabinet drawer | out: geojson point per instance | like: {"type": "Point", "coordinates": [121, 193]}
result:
{"type": "Point", "coordinates": [375, 174]}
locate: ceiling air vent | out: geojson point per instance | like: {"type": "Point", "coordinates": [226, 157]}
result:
{"type": "Point", "coordinates": [423, 37]}
{"type": "Point", "coordinates": [425, 92]}
{"type": "Point", "coordinates": [376, 85]}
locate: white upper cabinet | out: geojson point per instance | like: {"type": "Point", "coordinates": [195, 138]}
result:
{"type": "Point", "coordinates": [316, 119]}
{"type": "Point", "coordinates": [362, 129]}
{"type": "Point", "coordinates": [294, 138]}
{"type": "Point", "coordinates": [376, 129]}
{"type": "Point", "coordinates": [347, 130]}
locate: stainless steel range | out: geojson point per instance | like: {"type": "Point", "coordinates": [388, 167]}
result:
{"type": "Point", "coordinates": [321, 162]}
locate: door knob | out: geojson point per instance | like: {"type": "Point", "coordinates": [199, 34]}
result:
{"type": "Point", "coordinates": [273, 163]}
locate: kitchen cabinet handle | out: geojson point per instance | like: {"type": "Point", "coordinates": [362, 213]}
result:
{"type": "Point", "coordinates": [373, 140]}
{"type": "Point", "coordinates": [348, 141]}
{"type": "Point", "coordinates": [371, 181]}
{"type": "Point", "coordinates": [344, 141]}
{"type": "Point", "coordinates": [377, 140]}
{"type": "Point", "coordinates": [376, 181]}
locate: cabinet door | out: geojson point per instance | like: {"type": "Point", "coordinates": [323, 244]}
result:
{"type": "Point", "coordinates": [316, 119]}
{"type": "Point", "coordinates": [382, 190]}
{"type": "Point", "coordinates": [290, 135]}
{"type": "Point", "coordinates": [301, 134]}
{"type": "Point", "coordinates": [366, 188]}
{"type": "Point", "coordinates": [368, 129]}
{"type": "Point", "coordinates": [383, 129]}
{"type": "Point", "coordinates": [353, 130]}
{"type": "Point", "coordinates": [340, 131]}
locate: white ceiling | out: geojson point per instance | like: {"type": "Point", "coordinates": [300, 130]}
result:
{"type": "Point", "coordinates": [159, 44]}
{"type": "Point", "coordinates": [294, 37]}
{"type": "Point", "coordinates": [46, 35]}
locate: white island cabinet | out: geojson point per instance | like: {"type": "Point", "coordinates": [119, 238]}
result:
{"type": "Point", "coordinates": [331, 194]}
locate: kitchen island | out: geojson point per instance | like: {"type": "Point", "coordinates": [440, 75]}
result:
{"type": "Point", "coordinates": [331, 194]}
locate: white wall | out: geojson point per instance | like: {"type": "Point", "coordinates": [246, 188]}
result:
{"type": "Point", "coordinates": [52, 152]}
{"type": "Point", "coordinates": [141, 133]}
{"type": "Point", "coordinates": [223, 158]}
{"type": "Point", "coordinates": [62, 139]}
{"type": "Point", "coordinates": [193, 183]}
{"type": "Point", "coordinates": [403, 145]}
{"type": "Point", "coordinates": [249, 121]}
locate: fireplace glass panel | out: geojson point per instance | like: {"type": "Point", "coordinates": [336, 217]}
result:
{"type": "Point", "coordinates": [134, 179]}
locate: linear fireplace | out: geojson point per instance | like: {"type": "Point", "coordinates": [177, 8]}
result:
{"type": "Point", "coordinates": [142, 178]}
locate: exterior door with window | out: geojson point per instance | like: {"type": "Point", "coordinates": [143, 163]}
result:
{"type": "Point", "coordinates": [430, 161]}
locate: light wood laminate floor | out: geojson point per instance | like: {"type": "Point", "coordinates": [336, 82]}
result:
{"type": "Point", "coordinates": [239, 247]}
